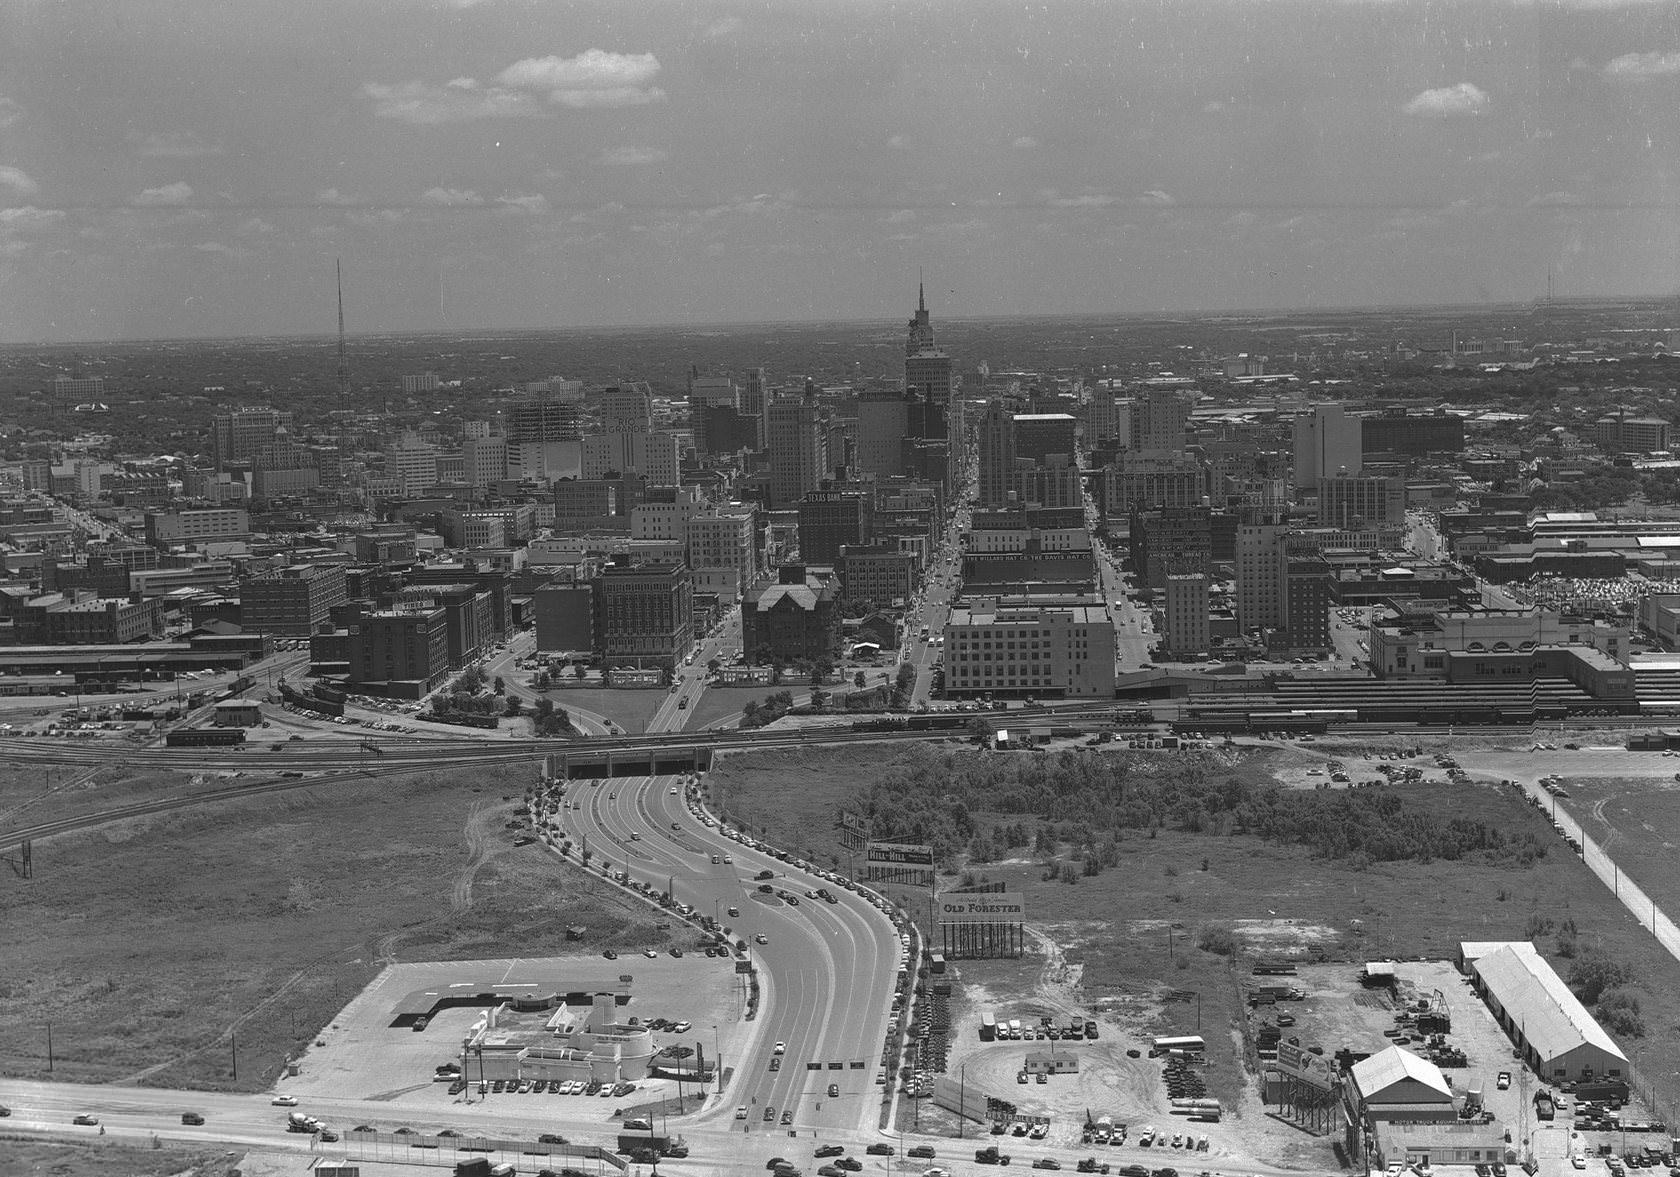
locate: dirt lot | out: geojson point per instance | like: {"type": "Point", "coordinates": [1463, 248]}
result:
{"type": "Point", "coordinates": [22, 1157]}
{"type": "Point", "coordinates": [146, 942]}
{"type": "Point", "coordinates": [362, 1056]}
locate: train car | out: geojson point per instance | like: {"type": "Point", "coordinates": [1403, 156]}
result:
{"type": "Point", "coordinates": [204, 737]}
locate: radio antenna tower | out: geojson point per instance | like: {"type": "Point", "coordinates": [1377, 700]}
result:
{"type": "Point", "coordinates": [343, 364]}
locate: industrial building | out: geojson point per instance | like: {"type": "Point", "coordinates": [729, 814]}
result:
{"type": "Point", "coordinates": [1396, 1084]}
{"type": "Point", "coordinates": [1548, 1025]}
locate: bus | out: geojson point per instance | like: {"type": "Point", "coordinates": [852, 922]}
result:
{"type": "Point", "coordinates": [988, 1028]}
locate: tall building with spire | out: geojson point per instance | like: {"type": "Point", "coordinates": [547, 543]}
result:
{"type": "Point", "coordinates": [930, 378]}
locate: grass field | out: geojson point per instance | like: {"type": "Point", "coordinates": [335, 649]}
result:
{"type": "Point", "coordinates": [150, 944]}
{"type": "Point", "coordinates": [26, 1157]}
{"type": "Point", "coordinates": [35, 793]}
{"type": "Point", "coordinates": [1130, 935]}
{"type": "Point", "coordinates": [631, 709]}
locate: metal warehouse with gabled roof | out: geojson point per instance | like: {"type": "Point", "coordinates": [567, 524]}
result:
{"type": "Point", "coordinates": [1396, 1084]}
{"type": "Point", "coordinates": [1550, 1027]}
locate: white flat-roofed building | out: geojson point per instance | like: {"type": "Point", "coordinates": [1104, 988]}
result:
{"type": "Point", "coordinates": [1546, 1022]}
{"type": "Point", "coordinates": [1055, 651]}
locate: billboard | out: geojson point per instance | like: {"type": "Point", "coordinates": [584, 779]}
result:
{"type": "Point", "coordinates": [898, 854]}
{"type": "Point", "coordinates": [855, 822]}
{"type": "Point", "coordinates": [1309, 1068]}
{"type": "Point", "coordinates": [999, 907]}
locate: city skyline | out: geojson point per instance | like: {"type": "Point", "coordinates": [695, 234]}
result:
{"type": "Point", "coordinates": [499, 165]}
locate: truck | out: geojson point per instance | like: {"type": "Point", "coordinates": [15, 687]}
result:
{"type": "Point", "coordinates": [1473, 1096]}
{"type": "Point", "coordinates": [990, 1156]}
{"type": "Point", "coordinates": [1544, 1108]}
{"type": "Point", "coordinates": [299, 1122]}
{"type": "Point", "coordinates": [630, 1143]}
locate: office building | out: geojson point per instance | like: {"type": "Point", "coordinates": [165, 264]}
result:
{"type": "Point", "coordinates": [883, 573]}
{"type": "Point", "coordinates": [409, 646]}
{"type": "Point", "coordinates": [798, 445]}
{"type": "Point", "coordinates": [829, 520]}
{"type": "Point", "coordinates": [1262, 577]}
{"type": "Point", "coordinates": [73, 390]}
{"type": "Point", "coordinates": [997, 455]}
{"type": "Point", "coordinates": [565, 618]}
{"type": "Point", "coordinates": [1157, 420]}
{"type": "Point", "coordinates": [1185, 611]}
{"type": "Point", "coordinates": [883, 423]}
{"type": "Point", "coordinates": [1631, 435]}
{"type": "Point", "coordinates": [627, 408]}
{"type": "Point", "coordinates": [484, 460]}
{"type": "Point", "coordinates": [1108, 419]}
{"type": "Point", "coordinates": [291, 601]}
{"type": "Point", "coordinates": [1327, 442]}
{"type": "Point", "coordinates": [1171, 540]}
{"type": "Point", "coordinates": [283, 468]}
{"type": "Point", "coordinates": [1153, 478]}
{"type": "Point", "coordinates": [1042, 436]}
{"type": "Point", "coordinates": [424, 382]}
{"type": "Point", "coordinates": [237, 436]}
{"type": "Point", "coordinates": [1402, 433]}
{"type": "Point", "coordinates": [1058, 485]}
{"type": "Point", "coordinates": [713, 431]}
{"type": "Point", "coordinates": [664, 512]}
{"type": "Point", "coordinates": [414, 465]}
{"type": "Point", "coordinates": [653, 456]}
{"type": "Point", "coordinates": [795, 619]}
{"type": "Point", "coordinates": [205, 525]}
{"type": "Point", "coordinates": [1356, 503]}
{"type": "Point", "coordinates": [722, 550]}
{"type": "Point", "coordinates": [644, 614]}
{"type": "Point", "coordinates": [994, 647]}
{"type": "Point", "coordinates": [597, 504]}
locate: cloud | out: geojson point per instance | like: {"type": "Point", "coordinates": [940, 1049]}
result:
{"type": "Point", "coordinates": [902, 216]}
{"type": "Point", "coordinates": [256, 227]}
{"type": "Point", "coordinates": [594, 78]}
{"type": "Point", "coordinates": [1641, 67]}
{"type": "Point", "coordinates": [528, 88]}
{"type": "Point", "coordinates": [1243, 220]}
{"type": "Point", "coordinates": [722, 28]}
{"type": "Point", "coordinates": [29, 217]}
{"type": "Point", "coordinates": [1447, 102]}
{"type": "Point", "coordinates": [10, 112]}
{"type": "Point", "coordinates": [899, 143]}
{"type": "Point", "coordinates": [332, 196]}
{"type": "Point", "coordinates": [1024, 143]}
{"type": "Point", "coordinates": [632, 156]}
{"type": "Point", "coordinates": [461, 101]}
{"type": "Point", "coordinates": [170, 194]}
{"type": "Point", "coordinates": [528, 204]}
{"type": "Point", "coordinates": [1156, 197]}
{"type": "Point", "coordinates": [1213, 107]}
{"type": "Point", "coordinates": [1089, 200]}
{"type": "Point", "coordinates": [171, 145]}
{"type": "Point", "coordinates": [450, 197]}
{"type": "Point", "coordinates": [1555, 200]}
{"type": "Point", "coordinates": [18, 181]}
{"type": "Point", "coordinates": [230, 251]}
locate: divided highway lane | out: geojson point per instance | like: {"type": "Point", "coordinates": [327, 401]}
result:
{"type": "Point", "coordinates": [826, 972]}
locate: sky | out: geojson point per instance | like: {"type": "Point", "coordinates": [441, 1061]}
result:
{"type": "Point", "coordinates": [182, 168]}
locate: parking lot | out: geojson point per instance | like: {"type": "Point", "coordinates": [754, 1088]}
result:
{"type": "Point", "coordinates": [360, 1055]}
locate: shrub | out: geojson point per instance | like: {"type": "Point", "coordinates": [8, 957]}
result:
{"type": "Point", "coordinates": [1219, 941]}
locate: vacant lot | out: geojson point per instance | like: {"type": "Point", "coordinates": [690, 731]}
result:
{"type": "Point", "coordinates": [34, 793]}
{"type": "Point", "coordinates": [151, 944]}
{"type": "Point", "coordinates": [1142, 941]}
{"type": "Point", "coordinates": [631, 709]}
{"type": "Point", "coordinates": [23, 1157]}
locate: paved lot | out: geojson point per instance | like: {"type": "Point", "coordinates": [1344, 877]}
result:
{"type": "Point", "coordinates": [361, 1056]}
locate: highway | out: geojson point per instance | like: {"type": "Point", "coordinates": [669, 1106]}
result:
{"type": "Point", "coordinates": [827, 970]}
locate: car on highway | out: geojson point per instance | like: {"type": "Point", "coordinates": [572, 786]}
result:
{"type": "Point", "coordinates": [830, 1150]}
{"type": "Point", "coordinates": [284, 1101]}
{"type": "Point", "coordinates": [834, 1091]}
{"type": "Point", "coordinates": [610, 954]}
{"type": "Point", "coordinates": [787, 1117]}
{"type": "Point", "coordinates": [85, 1120]}
{"type": "Point", "coordinates": [1504, 1080]}
{"type": "Point", "coordinates": [683, 1027]}
{"type": "Point", "coordinates": [4, 1110]}
{"type": "Point", "coordinates": [830, 1171]}
{"type": "Point", "coordinates": [761, 938]}
{"type": "Point", "coordinates": [1579, 1161]}
{"type": "Point", "coordinates": [741, 1112]}
{"type": "Point", "coordinates": [1047, 1163]}
{"type": "Point", "coordinates": [734, 912]}
{"type": "Point", "coordinates": [922, 1151]}
{"type": "Point", "coordinates": [650, 954]}
{"type": "Point", "coordinates": [879, 1150]}
{"type": "Point", "coordinates": [781, 1048]}
{"type": "Point", "coordinates": [769, 1114]}
{"type": "Point", "coordinates": [191, 1118]}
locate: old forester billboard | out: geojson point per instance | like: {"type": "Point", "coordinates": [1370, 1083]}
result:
{"type": "Point", "coordinates": [998, 907]}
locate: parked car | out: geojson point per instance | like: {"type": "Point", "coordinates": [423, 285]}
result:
{"type": "Point", "coordinates": [191, 1118]}
{"type": "Point", "coordinates": [85, 1120]}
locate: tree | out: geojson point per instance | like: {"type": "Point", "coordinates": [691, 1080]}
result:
{"type": "Point", "coordinates": [858, 680]}
{"type": "Point", "coordinates": [499, 687]}
{"type": "Point", "coordinates": [578, 671]}
{"type": "Point", "coordinates": [751, 708]}
{"type": "Point", "coordinates": [1591, 973]}
{"type": "Point", "coordinates": [666, 676]}
{"type": "Point", "coordinates": [819, 698]}
{"type": "Point", "coordinates": [713, 666]}
{"type": "Point", "coordinates": [515, 705]}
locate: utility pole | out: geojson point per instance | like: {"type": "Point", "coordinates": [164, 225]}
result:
{"type": "Point", "coordinates": [233, 1036]}
{"type": "Point", "coordinates": [49, 1048]}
